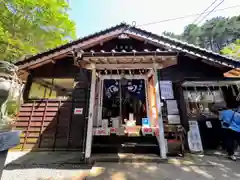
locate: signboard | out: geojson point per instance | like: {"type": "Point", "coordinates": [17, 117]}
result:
{"type": "Point", "coordinates": [172, 107]}
{"type": "Point", "coordinates": [78, 111]}
{"type": "Point", "coordinates": [147, 131]}
{"type": "Point", "coordinates": [166, 90]}
{"type": "Point", "coordinates": [208, 124]}
{"type": "Point", "coordinates": [102, 131]}
{"type": "Point", "coordinates": [194, 138]}
{"type": "Point", "coordinates": [113, 130]}
{"type": "Point", "coordinates": [145, 122]}
{"type": "Point", "coordinates": [174, 119]}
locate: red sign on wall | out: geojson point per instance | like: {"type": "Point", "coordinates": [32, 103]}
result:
{"type": "Point", "coordinates": [78, 111]}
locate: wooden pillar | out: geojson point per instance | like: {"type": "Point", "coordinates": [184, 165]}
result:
{"type": "Point", "coordinates": [100, 99]}
{"type": "Point", "coordinates": [147, 98]}
{"type": "Point", "coordinates": [27, 87]}
{"type": "Point", "coordinates": [161, 138]}
{"type": "Point", "coordinates": [91, 115]}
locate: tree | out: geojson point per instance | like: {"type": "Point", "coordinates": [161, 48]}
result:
{"type": "Point", "coordinates": [191, 34]}
{"type": "Point", "coordinates": [28, 27]}
{"type": "Point", "coordinates": [232, 50]}
{"type": "Point", "coordinates": [214, 34]}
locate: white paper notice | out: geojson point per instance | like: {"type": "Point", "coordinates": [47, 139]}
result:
{"type": "Point", "coordinates": [102, 131]}
{"type": "Point", "coordinates": [194, 138]}
{"type": "Point", "coordinates": [174, 119]}
{"type": "Point", "coordinates": [208, 124]}
{"type": "Point", "coordinates": [166, 90]}
{"type": "Point", "coordinates": [172, 107]}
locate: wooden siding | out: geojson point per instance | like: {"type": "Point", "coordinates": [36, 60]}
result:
{"type": "Point", "coordinates": [188, 68]}
{"type": "Point", "coordinates": [52, 124]}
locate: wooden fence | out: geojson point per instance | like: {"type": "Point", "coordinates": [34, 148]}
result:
{"type": "Point", "coordinates": [52, 125]}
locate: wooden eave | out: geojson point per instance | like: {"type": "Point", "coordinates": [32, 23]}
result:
{"type": "Point", "coordinates": [234, 73]}
{"type": "Point", "coordinates": [127, 60]}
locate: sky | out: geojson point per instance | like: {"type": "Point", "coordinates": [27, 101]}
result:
{"type": "Point", "coordinates": [92, 16]}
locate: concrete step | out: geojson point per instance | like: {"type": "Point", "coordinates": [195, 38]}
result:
{"type": "Point", "coordinates": [130, 147]}
{"type": "Point", "coordinates": [124, 139]}
{"type": "Point", "coordinates": [126, 157]}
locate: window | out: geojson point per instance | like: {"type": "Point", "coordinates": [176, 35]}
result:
{"type": "Point", "coordinates": [46, 88]}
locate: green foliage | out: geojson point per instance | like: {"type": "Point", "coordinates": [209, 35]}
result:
{"type": "Point", "coordinates": [31, 26]}
{"type": "Point", "coordinates": [214, 34]}
{"type": "Point", "coordinates": [232, 50]}
{"type": "Point", "coordinates": [192, 34]}
{"type": "Point", "coordinates": [12, 108]}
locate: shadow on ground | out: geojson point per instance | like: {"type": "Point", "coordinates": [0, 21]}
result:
{"type": "Point", "coordinates": [63, 166]}
{"type": "Point", "coordinates": [188, 168]}
{"type": "Point", "coordinates": [57, 160]}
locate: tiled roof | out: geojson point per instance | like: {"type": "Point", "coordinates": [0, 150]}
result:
{"type": "Point", "coordinates": [160, 39]}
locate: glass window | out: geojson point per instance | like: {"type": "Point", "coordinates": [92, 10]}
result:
{"type": "Point", "coordinates": [46, 88]}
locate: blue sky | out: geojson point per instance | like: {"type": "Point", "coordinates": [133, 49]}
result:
{"type": "Point", "coordinates": [95, 15]}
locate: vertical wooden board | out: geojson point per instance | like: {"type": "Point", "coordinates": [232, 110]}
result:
{"type": "Point", "coordinates": [19, 147]}
{"type": "Point", "coordinates": [61, 143]}
{"type": "Point", "coordinates": [77, 132]}
{"type": "Point", "coordinates": [47, 142]}
{"type": "Point", "coordinates": [31, 140]}
{"type": "Point", "coordinates": [62, 131]}
{"type": "Point", "coordinates": [30, 147]}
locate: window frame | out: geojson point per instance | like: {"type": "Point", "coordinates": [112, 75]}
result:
{"type": "Point", "coordinates": [62, 98]}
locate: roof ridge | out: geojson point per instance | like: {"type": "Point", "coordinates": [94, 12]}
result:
{"type": "Point", "coordinates": [179, 45]}
{"type": "Point", "coordinates": [186, 44]}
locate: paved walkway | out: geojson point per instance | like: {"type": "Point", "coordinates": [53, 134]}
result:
{"type": "Point", "coordinates": [62, 166]}
{"type": "Point", "coordinates": [191, 168]}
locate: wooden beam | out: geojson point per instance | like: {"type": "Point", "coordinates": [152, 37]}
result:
{"type": "Point", "coordinates": [161, 138]}
{"type": "Point", "coordinates": [233, 73]}
{"type": "Point", "coordinates": [123, 57]}
{"type": "Point", "coordinates": [150, 73]}
{"type": "Point", "coordinates": [124, 66]}
{"type": "Point", "coordinates": [169, 62]}
{"type": "Point", "coordinates": [27, 87]}
{"type": "Point", "coordinates": [90, 115]}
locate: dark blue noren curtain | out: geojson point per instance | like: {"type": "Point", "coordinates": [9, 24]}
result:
{"type": "Point", "coordinates": [111, 88]}
{"type": "Point", "coordinates": [136, 87]}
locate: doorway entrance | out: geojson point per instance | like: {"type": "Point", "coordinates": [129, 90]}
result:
{"type": "Point", "coordinates": [122, 100]}
{"type": "Point", "coordinates": [122, 113]}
